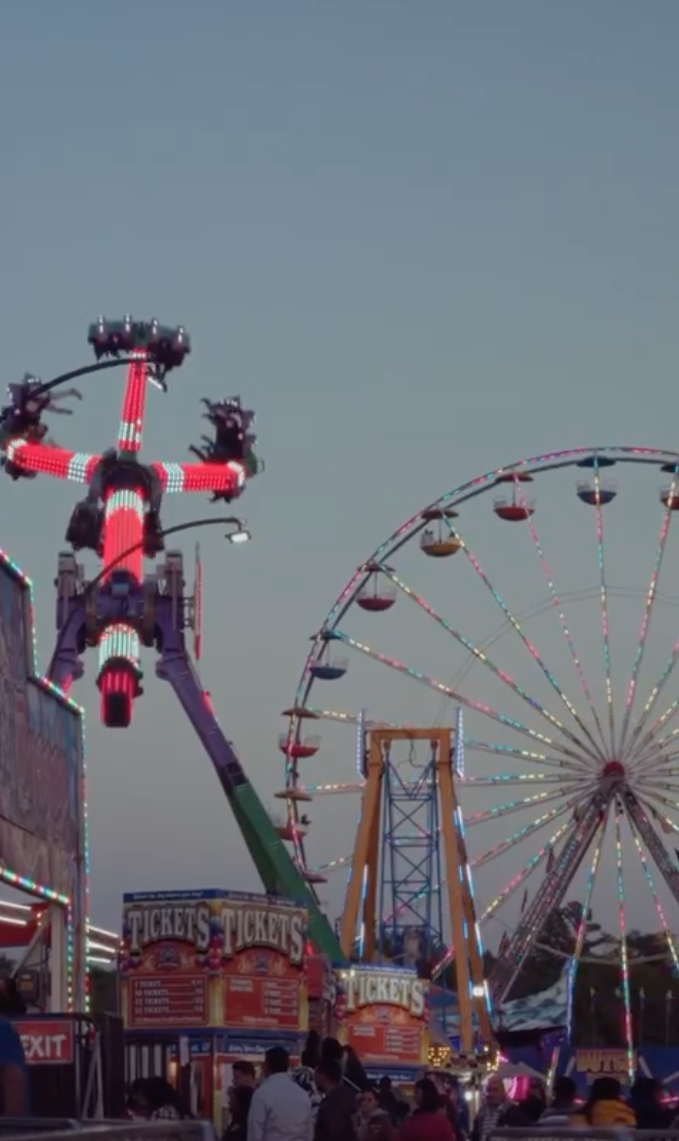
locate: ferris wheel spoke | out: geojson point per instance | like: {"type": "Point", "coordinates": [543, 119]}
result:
{"type": "Point", "coordinates": [624, 953]}
{"type": "Point", "coordinates": [603, 600]}
{"type": "Point", "coordinates": [331, 789]}
{"type": "Point", "coordinates": [651, 744]}
{"type": "Point", "coordinates": [514, 623]}
{"type": "Point", "coordinates": [509, 751]}
{"type": "Point", "coordinates": [540, 798]}
{"type": "Point", "coordinates": [503, 676]}
{"type": "Point", "coordinates": [655, 754]}
{"type": "Point", "coordinates": [582, 926]}
{"type": "Point", "coordinates": [557, 605]}
{"type": "Point", "coordinates": [655, 693]}
{"type": "Point", "coordinates": [517, 881]}
{"type": "Point", "coordinates": [669, 938]}
{"type": "Point", "coordinates": [333, 865]}
{"type": "Point", "coordinates": [648, 612]}
{"type": "Point", "coordinates": [528, 830]}
{"type": "Point", "coordinates": [514, 885]}
{"type": "Point", "coordinates": [574, 761]}
{"type": "Point", "coordinates": [512, 778]}
{"type": "Point", "coordinates": [349, 718]}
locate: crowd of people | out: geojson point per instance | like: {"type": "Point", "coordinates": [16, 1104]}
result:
{"type": "Point", "coordinates": [328, 1097]}
{"type": "Point", "coordinates": [605, 1108]}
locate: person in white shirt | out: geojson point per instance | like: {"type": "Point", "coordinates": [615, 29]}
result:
{"type": "Point", "coordinates": [280, 1110]}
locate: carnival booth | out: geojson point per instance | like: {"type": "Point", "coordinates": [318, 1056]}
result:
{"type": "Point", "coordinates": [209, 977]}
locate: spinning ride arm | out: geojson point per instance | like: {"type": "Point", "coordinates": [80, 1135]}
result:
{"type": "Point", "coordinates": [26, 458]}
{"type": "Point", "coordinates": [547, 899]}
{"type": "Point", "coordinates": [278, 872]}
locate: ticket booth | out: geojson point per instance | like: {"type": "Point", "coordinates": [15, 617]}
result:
{"type": "Point", "coordinates": [209, 977]}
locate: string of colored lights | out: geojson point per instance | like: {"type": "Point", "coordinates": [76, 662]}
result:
{"type": "Point", "coordinates": [486, 661]}
{"type": "Point", "coordinates": [525, 831]}
{"type": "Point", "coordinates": [582, 929]}
{"type": "Point", "coordinates": [134, 401]}
{"type": "Point", "coordinates": [603, 596]}
{"type": "Point", "coordinates": [657, 689]}
{"type": "Point", "coordinates": [573, 762]}
{"type": "Point", "coordinates": [500, 810]}
{"type": "Point", "coordinates": [76, 900]}
{"type": "Point", "coordinates": [624, 950]}
{"type": "Point", "coordinates": [646, 619]}
{"type": "Point", "coordinates": [563, 624]}
{"type": "Point", "coordinates": [459, 756]}
{"type": "Point", "coordinates": [669, 938]}
{"type": "Point", "coordinates": [651, 744]}
{"type": "Point", "coordinates": [459, 824]}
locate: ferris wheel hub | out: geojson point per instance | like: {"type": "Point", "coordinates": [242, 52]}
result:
{"type": "Point", "coordinates": [613, 773]}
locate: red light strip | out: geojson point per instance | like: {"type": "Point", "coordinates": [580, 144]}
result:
{"type": "Point", "coordinates": [229, 477]}
{"type": "Point", "coordinates": [132, 417]}
{"type": "Point", "coordinates": [124, 528]}
{"type": "Point", "coordinates": [57, 462]}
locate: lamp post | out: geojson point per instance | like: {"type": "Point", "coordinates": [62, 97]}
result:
{"type": "Point", "coordinates": [239, 534]}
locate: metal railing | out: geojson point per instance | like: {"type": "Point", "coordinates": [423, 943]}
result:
{"type": "Point", "coordinates": [549, 1132]}
{"type": "Point", "coordinates": [62, 1129]}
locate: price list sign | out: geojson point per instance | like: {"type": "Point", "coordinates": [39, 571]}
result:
{"type": "Point", "coordinates": [261, 1003]}
{"type": "Point", "coordinates": [379, 1042]}
{"type": "Point", "coordinates": [168, 1000]}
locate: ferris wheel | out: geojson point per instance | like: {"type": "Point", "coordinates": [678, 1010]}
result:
{"type": "Point", "coordinates": [535, 610]}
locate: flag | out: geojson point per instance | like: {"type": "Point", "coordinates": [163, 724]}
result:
{"type": "Point", "coordinates": [524, 901]}
{"type": "Point", "coordinates": [550, 861]}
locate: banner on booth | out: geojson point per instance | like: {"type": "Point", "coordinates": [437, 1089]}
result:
{"type": "Point", "coordinates": [382, 1013]}
{"type": "Point", "coordinates": [213, 958]}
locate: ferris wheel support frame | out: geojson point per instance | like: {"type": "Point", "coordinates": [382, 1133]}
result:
{"type": "Point", "coordinates": [361, 912]}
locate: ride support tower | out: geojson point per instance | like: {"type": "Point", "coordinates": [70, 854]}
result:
{"type": "Point", "coordinates": [123, 609]}
{"type": "Point", "coordinates": [410, 893]}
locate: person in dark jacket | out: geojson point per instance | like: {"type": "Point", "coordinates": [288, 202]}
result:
{"type": "Point", "coordinates": [562, 1105]}
{"type": "Point", "coordinates": [646, 1101]}
{"type": "Point", "coordinates": [336, 1113]}
{"type": "Point", "coordinates": [239, 1108]}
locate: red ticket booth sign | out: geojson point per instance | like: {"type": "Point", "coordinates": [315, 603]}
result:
{"type": "Point", "coordinates": [382, 1013]}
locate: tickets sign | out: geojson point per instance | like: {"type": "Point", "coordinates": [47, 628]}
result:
{"type": "Point", "coordinates": [46, 1042]}
{"type": "Point", "coordinates": [213, 958]}
{"type": "Point", "coordinates": [263, 972]}
{"type": "Point", "coordinates": [382, 1013]}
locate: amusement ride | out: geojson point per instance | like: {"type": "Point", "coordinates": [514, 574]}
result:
{"type": "Point", "coordinates": [558, 693]}
{"type": "Point", "coordinates": [125, 609]}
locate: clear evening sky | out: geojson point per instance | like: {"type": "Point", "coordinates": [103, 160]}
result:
{"type": "Point", "coordinates": [420, 239]}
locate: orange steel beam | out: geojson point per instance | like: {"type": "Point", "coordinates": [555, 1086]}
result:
{"type": "Point", "coordinates": [362, 849]}
{"type": "Point", "coordinates": [453, 878]}
{"type": "Point", "coordinates": [370, 916]}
